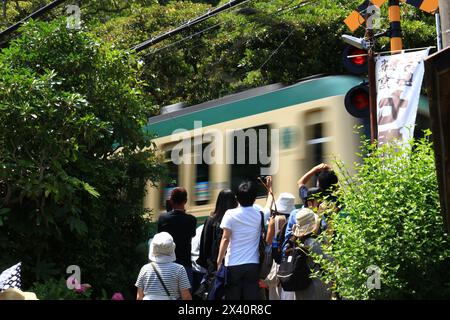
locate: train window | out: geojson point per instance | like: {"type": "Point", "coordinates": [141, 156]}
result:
{"type": "Point", "coordinates": [171, 181]}
{"type": "Point", "coordinates": [316, 139]}
{"type": "Point", "coordinates": [247, 165]}
{"type": "Point", "coordinates": [314, 134]}
{"type": "Point", "coordinates": [202, 194]}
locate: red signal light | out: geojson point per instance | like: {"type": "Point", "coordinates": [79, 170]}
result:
{"type": "Point", "coordinates": [357, 101]}
{"type": "Point", "coordinates": [360, 60]}
{"type": "Point", "coordinates": [360, 99]}
{"type": "Point", "coordinates": [356, 65]}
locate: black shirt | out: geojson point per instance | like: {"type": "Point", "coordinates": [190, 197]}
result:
{"type": "Point", "coordinates": [181, 226]}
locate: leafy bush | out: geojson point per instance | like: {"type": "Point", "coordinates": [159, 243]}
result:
{"type": "Point", "coordinates": [54, 289]}
{"type": "Point", "coordinates": [68, 194]}
{"type": "Point", "coordinates": [390, 219]}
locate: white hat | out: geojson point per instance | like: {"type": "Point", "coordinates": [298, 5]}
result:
{"type": "Point", "coordinates": [285, 203]}
{"type": "Point", "coordinates": [307, 222]}
{"type": "Point", "coordinates": [17, 294]}
{"type": "Point", "coordinates": [162, 248]}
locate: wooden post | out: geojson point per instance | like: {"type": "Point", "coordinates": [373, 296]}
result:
{"type": "Point", "coordinates": [444, 13]}
{"type": "Point", "coordinates": [437, 72]}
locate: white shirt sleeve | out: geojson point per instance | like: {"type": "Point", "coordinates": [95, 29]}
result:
{"type": "Point", "coordinates": [227, 221]}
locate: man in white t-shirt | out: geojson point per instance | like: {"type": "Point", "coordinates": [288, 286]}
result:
{"type": "Point", "coordinates": [240, 240]}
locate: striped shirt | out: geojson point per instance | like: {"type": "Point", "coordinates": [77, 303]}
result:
{"type": "Point", "coordinates": [173, 274]}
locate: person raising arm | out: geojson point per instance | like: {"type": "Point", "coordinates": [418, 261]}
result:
{"type": "Point", "coordinates": [301, 183]}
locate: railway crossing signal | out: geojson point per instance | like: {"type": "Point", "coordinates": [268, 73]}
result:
{"type": "Point", "coordinates": [361, 100]}
{"type": "Point", "coordinates": [355, 60]}
{"type": "Point", "coordinates": [357, 101]}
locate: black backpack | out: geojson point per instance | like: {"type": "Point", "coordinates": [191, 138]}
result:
{"type": "Point", "coordinates": [294, 272]}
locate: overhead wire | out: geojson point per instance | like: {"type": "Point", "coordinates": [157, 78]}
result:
{"type": "Point", "coordinates": [192, 22]}
{"type": "Point", "coordinates": [197, 33]}
{"type": "Point", "coordinates": [276, 13]}
{"type": "Point", "coordinates": [276, 50]}
{"type": "Point", "coordinates": [302, 3]}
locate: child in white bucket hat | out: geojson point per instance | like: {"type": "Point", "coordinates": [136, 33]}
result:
{"type": "Point", "coordinates": [162, 248]}
{"type": "Point", "coordinates": [162, 278]}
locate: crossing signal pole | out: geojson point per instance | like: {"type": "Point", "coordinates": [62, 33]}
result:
{"type": "Point", "coordinates": [372, 84]}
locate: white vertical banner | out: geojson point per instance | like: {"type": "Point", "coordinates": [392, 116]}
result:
{"type": "Point", "coordinates": [399, 80]}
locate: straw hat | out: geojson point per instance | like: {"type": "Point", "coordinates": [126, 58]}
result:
{"type": "Point", "coordinates": [162, 248]}
{"type": "Point", "coordinates": [17, 294]}
{"type": "Point", "coordinates": [307, 222]}
{"type": "Point", "coordinates": [285, 203]}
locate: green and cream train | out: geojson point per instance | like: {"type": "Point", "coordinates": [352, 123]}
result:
{"type": "Point", "coordinates": [309, 118]}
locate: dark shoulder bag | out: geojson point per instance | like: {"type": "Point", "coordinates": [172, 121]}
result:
{"type": "Point", "coordinates": [161, 281]}
{"type": "Point", "coordinates": [265, 252]}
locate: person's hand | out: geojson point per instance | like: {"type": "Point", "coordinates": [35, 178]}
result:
{"type": "Point", "coordinates": [322, 166]}
{"type": "Point", "coordinates": [272, 221]}
{"type": "Point", "coordinates": [269, 181]}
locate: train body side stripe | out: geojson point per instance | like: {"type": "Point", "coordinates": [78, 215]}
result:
{"type": "Point", "coordinates": [296, 94]}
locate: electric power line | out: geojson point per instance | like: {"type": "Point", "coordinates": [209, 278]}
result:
{"type": "Point", "coordinates": [276, 13]}
{"type": "Point", "coordinates": [276, 50]}
{"type": "Point", "coordinates": [198, 33]}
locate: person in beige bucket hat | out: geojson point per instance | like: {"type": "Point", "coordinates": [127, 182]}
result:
{"type": "Point", "coordinates": [17, 294]}
{"type": "Point", "coordinates": [306, 226]}
{"type": "Point", "coordinates": [307, 222]}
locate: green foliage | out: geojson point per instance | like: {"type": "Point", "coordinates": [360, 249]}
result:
{"type": "Point", "coordinates": [391, 219]}
{"type": "Point", "coordinates": [261, 42]}
{"type": "Point", "coordinates": [275, 41]}
{"type": "Point", "coordinates": [66, 99]}
{"type": "Point", "coordinates": [56, 289]}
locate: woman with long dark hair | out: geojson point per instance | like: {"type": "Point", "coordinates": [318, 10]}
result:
{"type": "Point", "coordinates": [212, 233]}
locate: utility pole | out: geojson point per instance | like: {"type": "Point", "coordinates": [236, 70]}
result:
{"type": "Point", "coordinates": [444, 13]}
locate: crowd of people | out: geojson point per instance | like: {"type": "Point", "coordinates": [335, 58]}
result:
{"type": "Point", "coordinates": [221, 258]}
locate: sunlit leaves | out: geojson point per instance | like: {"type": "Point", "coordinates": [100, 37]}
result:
{"type": "Point", "coordinates": [390, 218]}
